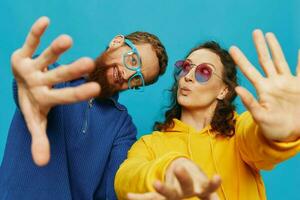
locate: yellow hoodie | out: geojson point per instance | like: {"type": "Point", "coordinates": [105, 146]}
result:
{"type": "Point", "coordinates": [237, 159]}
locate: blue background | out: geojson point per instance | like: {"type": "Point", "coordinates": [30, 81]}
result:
{"type": "Point", "coordinates": [179, 24]}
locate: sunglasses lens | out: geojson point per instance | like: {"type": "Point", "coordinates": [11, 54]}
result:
{"type": "Point", "coordinates": [179, 64]}
{"type": "Point", "coordinates": [203, 73]}
{"type": "Point", "coordinates": [183, 68]}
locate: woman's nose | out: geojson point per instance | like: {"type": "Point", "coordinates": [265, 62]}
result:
{"type": "Point", "coordinates": [189, 76]}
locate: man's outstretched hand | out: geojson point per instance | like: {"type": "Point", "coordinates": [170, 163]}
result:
{"type": "Point", "coordinates": [36, 95]}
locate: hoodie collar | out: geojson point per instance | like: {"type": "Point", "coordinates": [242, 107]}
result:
{"type": "Point", "coordinates": [114, 99]}
{"type": "Point", "coordinates": [180, 126]}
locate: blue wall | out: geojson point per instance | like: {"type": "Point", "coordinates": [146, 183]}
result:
{"type": "Point", "coordinates": [179, 24]}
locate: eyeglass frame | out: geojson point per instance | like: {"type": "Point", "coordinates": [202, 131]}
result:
{"type": "Point", "coordinates": [229, 82]}
{"type": "Point", "coordinates": [136, 69]}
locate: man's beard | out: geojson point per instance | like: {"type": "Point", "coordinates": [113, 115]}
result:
{"type": "Point", "coordinates": [99, 75]}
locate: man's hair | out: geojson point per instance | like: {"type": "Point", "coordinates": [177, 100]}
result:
{"type": "Point", "coordinates": [160, 51]}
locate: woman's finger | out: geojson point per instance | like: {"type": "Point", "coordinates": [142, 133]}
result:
{"type": "Point", "coordinates": [277, 54]}
{"type": "Point", "coordinates": [185, 181]}
{"type": "Point", "coordinates": [298, 65]}
{"type": "Point", "coordinates": [163, 189]}
{"type": "Point", "coordinates": [208, 189]}
{"type": "Point", "coordinates": [252, 74]}
{"type": "Point", "coordinates": [250, 102]}
{"type": "Point", "coordinates": [262, 50]}
{"type": "Point", "coordinates": [145, 196]}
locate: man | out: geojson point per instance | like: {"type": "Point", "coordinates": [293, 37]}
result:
{"type": "Point", "coordinates": [90, 138]}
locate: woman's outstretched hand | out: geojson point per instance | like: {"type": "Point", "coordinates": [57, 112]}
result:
{"type": "Point", "coordinates": [277, 110]}
{"type": "Point", "coordinates": [183, 179]}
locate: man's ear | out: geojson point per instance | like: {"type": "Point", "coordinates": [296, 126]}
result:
{"type": "Point", "coordinates": [223, 93]}
{"type": "Point", "coordinates": [117, 41]}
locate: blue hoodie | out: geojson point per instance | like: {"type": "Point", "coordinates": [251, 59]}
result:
{"type": "Point", "coordinates": [89, 140]}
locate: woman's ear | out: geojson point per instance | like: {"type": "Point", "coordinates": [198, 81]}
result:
{"type": "Point", "coordinates": [117, 41]}
{"type": "Point", "coordinates": [223, 93]}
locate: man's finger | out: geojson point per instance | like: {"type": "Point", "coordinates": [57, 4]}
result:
{"type": "Point", "coordinates": [52, 53]}
{"type": "Point", "coordinates": [263, 53]}
{"type": "Point", "coordinates": [246, 67]}
{"type": "Point", "coordinates": [37, 123]}
{"type": "Point", "coordinates": [65, 73]}
{"type": "Point", "coordinates": [33, 38]}
{"type": "Point", "coordinates": [73, 94]}
{"type": "Point", "coordinates": [277, 54]}
{"type": "Point", "coordinates": [40, 147]}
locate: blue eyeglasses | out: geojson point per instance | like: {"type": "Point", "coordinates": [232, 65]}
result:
{"type": "Point", "coordinates": [132, 61]}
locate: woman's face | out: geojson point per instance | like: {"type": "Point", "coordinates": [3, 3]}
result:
{"type": "Point", "coordinates": [194, 95]}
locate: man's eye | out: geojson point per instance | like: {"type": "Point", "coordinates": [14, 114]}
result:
{"type": "Point", "coordinates": [136, 81]}
{"type": "Point", "coordinates": [133, 61]}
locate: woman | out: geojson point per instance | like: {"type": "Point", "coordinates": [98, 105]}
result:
{"type": "Point", "coordinates": [202, 129]}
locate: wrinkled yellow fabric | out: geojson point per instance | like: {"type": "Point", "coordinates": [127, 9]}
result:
{"type": "Point", "coordinates": [237, 159]}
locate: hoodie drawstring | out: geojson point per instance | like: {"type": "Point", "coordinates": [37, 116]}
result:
{"type": "Point", "coordinates": [189, 145]}
{"type": "Point", "coordinates": [214, 159]}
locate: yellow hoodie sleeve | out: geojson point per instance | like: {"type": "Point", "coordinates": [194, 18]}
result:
{"type": "Point", "coordinates": [256, 150]}
{"type": "Point", "coordinates": [141, 169]}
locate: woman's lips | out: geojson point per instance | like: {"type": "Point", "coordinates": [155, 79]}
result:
{"type": "Point", "coordinates": [184, 90]}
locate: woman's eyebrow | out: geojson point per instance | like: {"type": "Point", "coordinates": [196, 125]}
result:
{"type": "Point", "coordinates": [212, 65]}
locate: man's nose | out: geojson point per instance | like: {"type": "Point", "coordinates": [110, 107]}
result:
{"type": "Point", "coordinates": [126, 73]}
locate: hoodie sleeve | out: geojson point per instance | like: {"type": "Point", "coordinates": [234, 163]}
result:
{"type": "Point", "coordinates": [141, 169]}
{"type": "Point", "coordinates": [256, 150]}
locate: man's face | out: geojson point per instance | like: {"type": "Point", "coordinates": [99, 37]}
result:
{"type": "Point", "coordinates": [111, 72]}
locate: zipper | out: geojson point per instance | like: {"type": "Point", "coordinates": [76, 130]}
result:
{"type": "Point", "coordinates": [86, 117]}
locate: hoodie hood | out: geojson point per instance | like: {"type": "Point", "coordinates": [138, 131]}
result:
{"type": "Point", "coordinates": [182, 127]}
